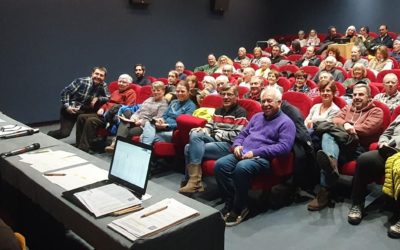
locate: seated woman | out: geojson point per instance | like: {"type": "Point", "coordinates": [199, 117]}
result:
{"type": "Point", "coordinates": [371, 166]}
{"type": "Point", "coordinates": [313, 39]}
{"type": "Point", "coordinates": [210, 88]}
{"type": "Point", "coordinates": [223, 60]}
{"type": "Point", "coordinates": [332, 51]}
{"type": "Point", "coordinates": [173, 79]}
{"type": "Point", "coordinates": [265, 64]}
{"type": "Point", "coordinates": [152, 108]}
{"type": "Point", "coordinates": [351, 33]}
{"type": "Point", "coordinates": [273, 76]}
{"type": "Point", "coordinates": [257, 52]}
{"type": "Point", "coordinates": [300, 83]}
{"type": "Point", "coordinates": [358, 74]}
{"type": "Point", "coordinates": [326, 110]}
{"type": "Point", "coordinates": [193, 88]}
{"type": "Point", "coordinates": [381, 60]}
{"type": "Point", "coordinates": [161, 129]}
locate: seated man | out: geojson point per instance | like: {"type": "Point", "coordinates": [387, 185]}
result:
{"type": "Point", "coordinates": [88, 123]}
{"type": "Point", "coordinates": [248, 73]}
{"type": "Point", "coordinates": [355, 58]}
{"type": "Point", "coordinates": [370, 167]}
{"type": "Point", "coordinates": [384, 38]}
{"type": "Point", "coordinates": [330, 67]}
{"type": "Point", "coordinates": [391, 96]}
{"type": "Point", "coordinates": [228, 70]}
{"type": "Point", "coordinates": [140, 71]}
{"type": "Point", "coordinates": [214, 140]}
{"type": "Point", "coordinates": [269, 134]}
{"type": "Point", "coordinates": [345, 138]}
{"type": "Point", "coordinates": [256, 86]}
{"type": "Point", "coordinates": [221, 81]}
{"type": "Point", "coordinates": [180, 67]}
{"type": "Point", "coordinates": [83, 95]}
{"type": "Point", "coordinates": [276, 54]}
{"type": "Point", "coordinates": [309, 58]}
{"type": "Point", "coordinates": [242, 55]}
{"type": "Point", "coordinates": [209, 68]}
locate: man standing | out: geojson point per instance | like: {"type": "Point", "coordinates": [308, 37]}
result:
{"type": "Point", "coordinates": [83, 95]}
{"type": "Point", "coordinates": [355, 58]}
{"type": "Point", "coordinates": [209, 68]}
{"type": "Point", "coordinates": [346, 137]}
{"type": "Point", "coordinates": [140, 71]}
{"type": "Point", "coordinates": [215, 139]}
{"type": "Point", "coordinates": [269, 134]}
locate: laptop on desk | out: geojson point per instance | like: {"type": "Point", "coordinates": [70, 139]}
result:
{"type": "Point", "coordinates": [129, 167]}
{"type": "Point", "coordinates": [342, 40]}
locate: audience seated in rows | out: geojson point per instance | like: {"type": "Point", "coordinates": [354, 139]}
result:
{"type": "Point", "coordinates": [132, 123]}
{"type": "Point", "coordinates": [344, 139]}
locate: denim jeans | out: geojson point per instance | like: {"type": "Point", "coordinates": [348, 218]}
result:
{"type": "Point", "coordinates": [150, 135]}
{"type": "Point", "coordinates": [234, 177]}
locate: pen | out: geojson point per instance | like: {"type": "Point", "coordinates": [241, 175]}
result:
{"type": "Point", "coordinates": [153, 212]}
{"type": "Point", "coordinates": [54, 174]}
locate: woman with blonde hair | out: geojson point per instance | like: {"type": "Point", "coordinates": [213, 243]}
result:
{"type": "Point", "coordinates": [313, 39]}
{"type": "Point", "coordinates": [381, 60]}
{"type": "Point", "coordinates": [223, 60]}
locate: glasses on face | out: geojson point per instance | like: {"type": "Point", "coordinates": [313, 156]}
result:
{"type": "Point", "coordinates": [227, 94]}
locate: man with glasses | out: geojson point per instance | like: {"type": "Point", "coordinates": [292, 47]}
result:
{"type": "Point", "coordinates": [214, 140]}
{"type": "Point", "coordinates": [384, 38]}
{"type": "Point", "coordinates": [348, 135]}
{"type": "Point", "coordinates": [391, 96]}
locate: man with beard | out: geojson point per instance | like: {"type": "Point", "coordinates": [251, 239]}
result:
{"type": "Point", "coordinates": [83, 96]}
{"type": "Point", "coordinates": [348, 135]}
{"type": "Point", "coordinates": [140, 71]}
{"type": "Point", "coordinates": [269, 134]}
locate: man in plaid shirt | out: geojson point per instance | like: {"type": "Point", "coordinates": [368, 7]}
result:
{"type": "Point", "coordinates": [83, 95]}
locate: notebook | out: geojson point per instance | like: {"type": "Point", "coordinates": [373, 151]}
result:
{"type": "Point", "coordinates": [129, 167]}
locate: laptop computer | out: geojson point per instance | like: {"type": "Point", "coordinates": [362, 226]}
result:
{"type": "Point", "coordinates": [129, 167]}
{"type": "Point", "coordinates": [262, 44]}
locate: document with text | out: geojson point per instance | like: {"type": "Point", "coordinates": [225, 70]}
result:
{"type": "Point", "coordinates": [154, 219]}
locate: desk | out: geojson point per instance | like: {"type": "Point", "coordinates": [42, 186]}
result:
{"type": "Point", "coordinates": [203, 232]}
{"type": "Point", "coordinates": [344, 49]}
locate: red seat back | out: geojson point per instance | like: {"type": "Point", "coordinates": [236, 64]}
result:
{"type": "Point", "coordinates": [299, 100]}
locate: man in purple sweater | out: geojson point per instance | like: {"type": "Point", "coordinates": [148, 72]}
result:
{"type": "Point", "coordinates": [269, 134]}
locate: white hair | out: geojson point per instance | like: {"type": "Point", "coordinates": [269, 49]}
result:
{"type": "Point", "coordinates": [275, 91]}
{"type": "Point", "coordinates": [126, 77]}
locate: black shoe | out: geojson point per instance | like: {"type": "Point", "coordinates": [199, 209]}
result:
{"type": "Point", "coordinates": [356, 214]}
{"type": "Point", "coordinates": [234, 219]}
{"type": "Point", "coordinates": [225, 211]}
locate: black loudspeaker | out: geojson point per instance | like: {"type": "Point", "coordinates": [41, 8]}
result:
{"type": "Point", "coordinates": [219, 5]}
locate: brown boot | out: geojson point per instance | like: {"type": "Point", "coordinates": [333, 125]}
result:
{"type": "Point", "coordinates": [110, 149]}
{"type": "Point", "coordinates": [194, 183]}
{"type": "Point", "coordinates": [321, 201]}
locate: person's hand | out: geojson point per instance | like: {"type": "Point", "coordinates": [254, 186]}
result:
{"type": "Point", "coordinates": [383, 144]}
{"type": "Point", "coordinates": [72, 110]}
{"type": "Point", "coordinates": [199, 129]}
{"type": "Point", "coordinates": [349, 128]}
{"type": "Point", "coordinates": [248, 155]}
{"type": "Point", "coordinates": [93, 102]}
{"type": "Point", "coordinates": [237, 151]}
{"type": "Point", "coordinates": [100, 112]}
{"type": "Point", "coordinates": [309, 124]}
{"type": "Point", "coordinates": [162, 126]}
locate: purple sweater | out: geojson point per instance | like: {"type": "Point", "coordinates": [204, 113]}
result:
{"type": "Point", "coordinates": [267, 138]}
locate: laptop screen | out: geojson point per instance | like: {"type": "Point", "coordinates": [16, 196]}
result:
{"type": "Point", "coordinates": [130, 165]}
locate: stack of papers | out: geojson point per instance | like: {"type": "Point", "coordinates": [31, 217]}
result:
{"type": "Point", "coordinates": [154, 219]}
{"type": "Point", "coordinates": [107, 199]}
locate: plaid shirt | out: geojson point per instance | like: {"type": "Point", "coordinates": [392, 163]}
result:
{"type": "Point", "coordinates": [391, 101]}
{"type": "Point", "coordinates": [83, 90]}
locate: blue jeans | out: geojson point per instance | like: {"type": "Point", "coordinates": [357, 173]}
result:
{"type": "Point", "coordinates": [331, 148]}
{"type": "Point", "coordinates": [150, 135]}
{"type": "Point", "coordinates": [234, 176]}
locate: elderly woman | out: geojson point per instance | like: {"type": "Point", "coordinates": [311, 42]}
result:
{"type": "Point", "coordinates": [273, 77]}
{"type": "Point", "coordinates": [326, 110]}
{"type": "Point", "coordinates": [265, 64]}
{"type": "Point", "coordinates": [257, 52]}
{"type": "Point", "coordinates": [160, 129]}
{"type": "Point", "coordinates": [359, 73]}
{"type": "Point", "coordinates": [332, 51]}
{"type": "Point", "coordinates": [152, 108]}
{"type": "Point", "coordinates": [210, 88]}
{"type": "Point", "coordinates": [313, 39]}
{"type": "Point", "coordinates": [381, 60]}
{"type": "Point", "coordinates": [351, 33]}
{"type": "Point", "coordinates": [223, 60]}
{"type": "Point", "coordinates": [300, 82]}
{"type": "Point", "coordinates": [371, 166]}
